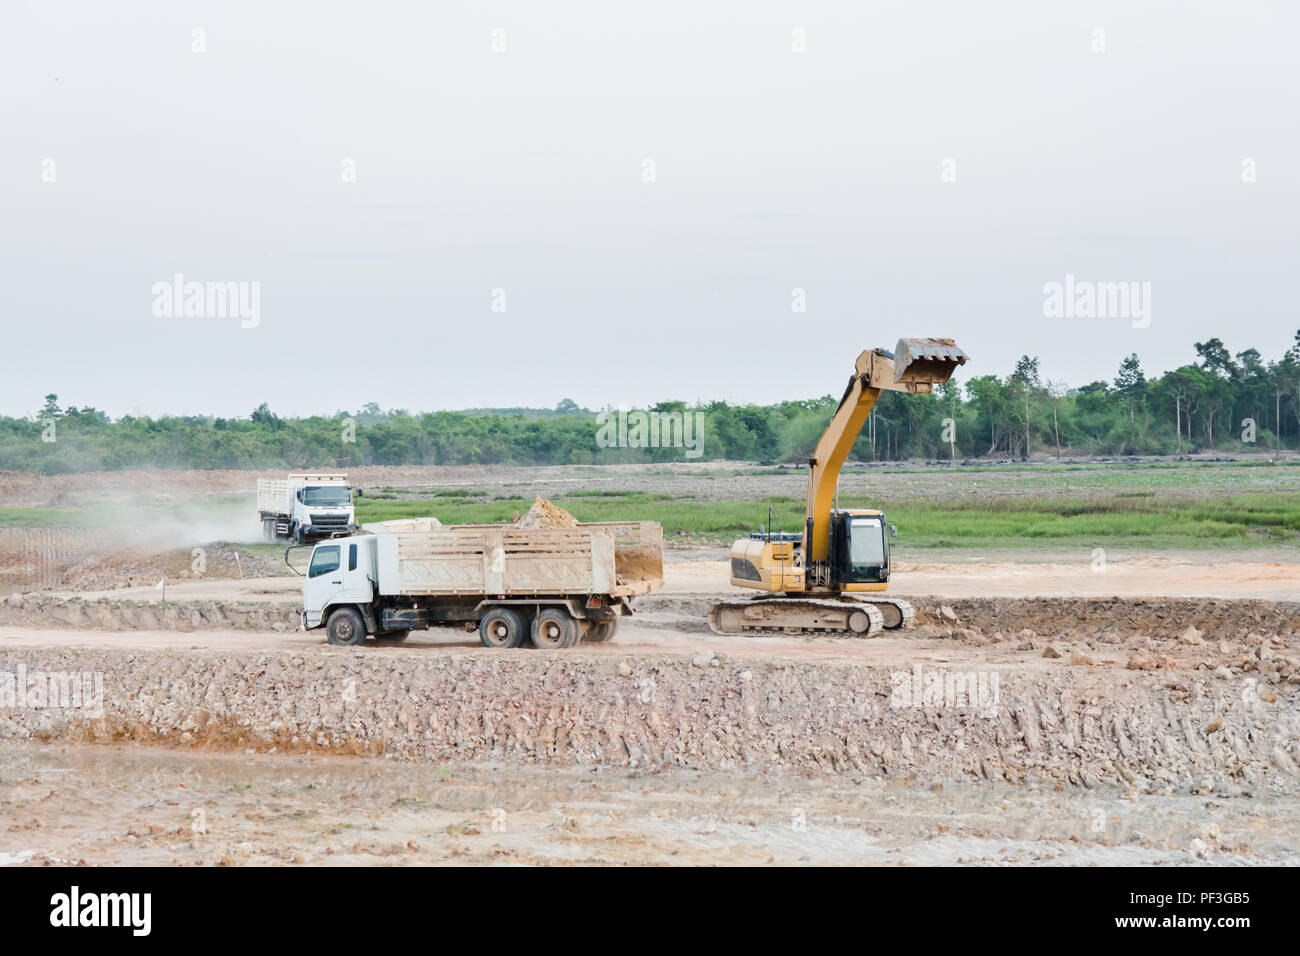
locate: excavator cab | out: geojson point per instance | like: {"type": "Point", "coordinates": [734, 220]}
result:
{"type": "Point", "coordinates": [859, 548]}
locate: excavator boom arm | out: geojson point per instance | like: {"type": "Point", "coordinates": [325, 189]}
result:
{"type": "Point", "coordinates": [915, 366]}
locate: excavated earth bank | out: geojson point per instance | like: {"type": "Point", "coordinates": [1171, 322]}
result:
{"type": "Point", "coordinates": [1158, 695]}
{"type": "Point", "coordinates": [1205, 732]}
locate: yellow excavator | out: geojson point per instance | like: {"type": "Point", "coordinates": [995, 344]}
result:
{"type": "Point", "coordinates": [830, 577]}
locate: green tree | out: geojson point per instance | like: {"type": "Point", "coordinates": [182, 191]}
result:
{"type": "Point", "coordinates": [1216, 359]}
{"type": "Point", "coordinates": [1131, 383]}
{"type": "Point", "coordinates": [1025, 384]}
{"type": "Point", "coordinates": [262, 415]}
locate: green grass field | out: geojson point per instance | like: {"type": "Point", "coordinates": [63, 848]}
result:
{"type": "Point", "coordinates": [1152, 506]}
{"type": "Point", "coordinates": [1137, 519]}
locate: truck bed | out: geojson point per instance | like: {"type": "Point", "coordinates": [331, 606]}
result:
{"type": "Point", "coordinates": [273, 496]}
{"type": "Point", "coordinates": [621, 559]}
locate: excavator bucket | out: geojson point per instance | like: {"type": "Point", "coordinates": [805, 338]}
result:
{"type": "Point", "coordinates": [926, 360]}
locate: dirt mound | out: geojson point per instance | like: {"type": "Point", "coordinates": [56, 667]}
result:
{"type": "Point", "coordinates": [39, 557]}
{"type": "Point", "coordinates": [91, 559]}
{"type": "Point", "coordinates": [141, 565]}
{"type": "Point", "coordinates": [103, 615]}
{"type": "Point", "coordinates": [543, 514]}
{"type": "Point", "coordinates": [1069, 618]}
{"type": "Point", "coordinates": [1102, 617]}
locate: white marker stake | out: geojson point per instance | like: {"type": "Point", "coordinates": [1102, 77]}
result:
{"type": "Point", "coordinates": [162, 586]}
{"type": "Point", "coordinates": [238, 565]}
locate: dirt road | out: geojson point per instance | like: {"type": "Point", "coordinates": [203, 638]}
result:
{"type": "Point", "coordinates": [632, 639]}
{"type": "Point", "coordinates": [704, 571]}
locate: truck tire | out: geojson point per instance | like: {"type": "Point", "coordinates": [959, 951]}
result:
{"type": "Point", "coordinates": [268, 529]}
{"type": "Point", "coordinates": [555, 629]}
{"type": "Point", "coordinates": [501, 627]}
{"type": "Point", "coordinates": [345, 628]}
{"type": "Point", "coordinates": [599, 632]}
{"type": "Point", "coordinates": [392, 637]}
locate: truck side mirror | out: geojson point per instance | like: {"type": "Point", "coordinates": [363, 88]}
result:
{"type": "Point", "coordinates": [893, 531]}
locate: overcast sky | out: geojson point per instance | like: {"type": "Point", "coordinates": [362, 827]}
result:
{"type": "Point", "coordinates": [524, 170]}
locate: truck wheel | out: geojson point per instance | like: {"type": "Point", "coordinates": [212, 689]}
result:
{"type": "Point", "coordinates": [392, 637]}
{"type": "Point", "coordinates": [268, 529]}
{"type": "Point", "coordinates": [555, 629]}
{"type": "Point", "coordinates": [600, 631]}
{"type": "Point", "coordinates": [345, 628]}
{"type": "Point", "coordinates": [501, 627]}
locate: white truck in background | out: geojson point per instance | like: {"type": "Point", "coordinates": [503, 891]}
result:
{"type": "Point", "coordinates": [305, 507]}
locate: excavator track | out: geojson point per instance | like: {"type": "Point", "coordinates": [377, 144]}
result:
{"type": "Point", "coordinates": [898, 613]}
{"type": "Point", "coordinates": [819, 617]}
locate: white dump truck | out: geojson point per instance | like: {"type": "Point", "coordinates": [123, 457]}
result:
{"type": "Point", "coordinates": [305, 507]}
{"type": "Point", "coordinates": [552, 587]}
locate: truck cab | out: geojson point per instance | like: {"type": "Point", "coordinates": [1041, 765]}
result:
{"type": "Point", "coordinates": [341, 573]}
{"type": "Point", "coordinates": [306, 506]}
{"type": "Point", "coordinates": [321, 508]}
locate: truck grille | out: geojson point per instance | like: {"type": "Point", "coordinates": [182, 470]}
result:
{"type": "Point", "coordinates": [329, 521]}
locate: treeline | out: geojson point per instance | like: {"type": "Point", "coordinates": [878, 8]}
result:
{"type": "Point", "coordinates": [1224, 402]}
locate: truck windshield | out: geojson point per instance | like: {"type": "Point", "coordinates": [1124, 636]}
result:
{"type": "Point", "coordinates": [331, 497]}
{"type": "Point", "coordinates": [867, 543]}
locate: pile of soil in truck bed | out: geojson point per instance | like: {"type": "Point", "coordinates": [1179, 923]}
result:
{"type": "Point", "coordinates": [543, 514]}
